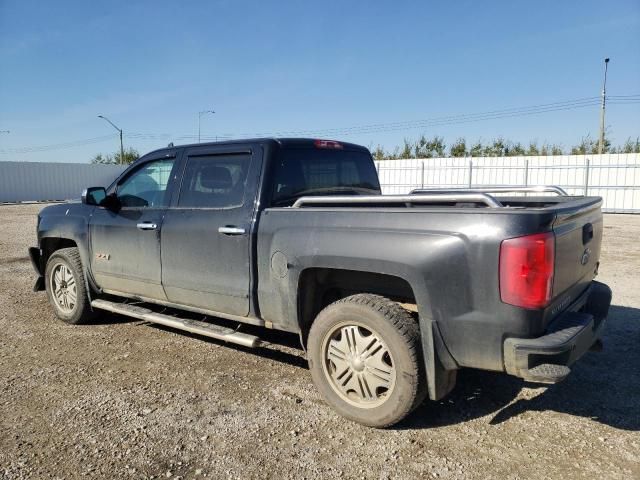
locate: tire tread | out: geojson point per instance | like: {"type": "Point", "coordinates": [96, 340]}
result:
{"type": "Point", "coordinates": [405, 324]}
{"type": "Point", "coordinates": [84, 313]}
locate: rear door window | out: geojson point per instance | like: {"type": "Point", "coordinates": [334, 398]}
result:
{"type": "Point", "coordinates": [214, 181]}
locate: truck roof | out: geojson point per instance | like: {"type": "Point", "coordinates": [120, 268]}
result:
{"type": "Point", "coordinates": [285, 142]}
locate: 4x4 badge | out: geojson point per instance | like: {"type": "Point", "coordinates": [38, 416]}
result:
{"type": "Point", "coordinates": [586, 256]}
{"type": "Point", "coordinates": [102, 256]}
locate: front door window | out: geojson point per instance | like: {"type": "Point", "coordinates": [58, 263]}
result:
{"type": "Point", "coordinates": [147, 186]}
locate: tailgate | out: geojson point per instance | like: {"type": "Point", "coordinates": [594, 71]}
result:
{"type": "Point", "coordinates": [578, 237]}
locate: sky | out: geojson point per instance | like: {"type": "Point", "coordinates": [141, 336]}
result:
{"type": "Point", "coordinates": [307, 68]}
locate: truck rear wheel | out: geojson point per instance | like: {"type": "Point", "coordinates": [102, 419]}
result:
{"type": "Point", "coordinates": [65, 285]}
{"type": "Point", "coordinates": [365, 358]}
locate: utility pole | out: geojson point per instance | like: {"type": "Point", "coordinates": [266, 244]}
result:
{"type": "Point", "coordinates": [604, 100]}
{"type": "Point", "coordinates": [200, 118]}
{"type": "Point", "coordinates": [120, 131]}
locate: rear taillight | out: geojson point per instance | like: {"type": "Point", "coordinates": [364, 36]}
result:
{"type": "Point", "coordinates": [328, 144]}
{"type": "Point", "coordinates": [526, 270]}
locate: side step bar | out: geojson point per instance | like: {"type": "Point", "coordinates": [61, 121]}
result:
{"type": "Point", "coordinates": [193, 326]}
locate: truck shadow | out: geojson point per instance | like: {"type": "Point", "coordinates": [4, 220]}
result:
{"type": "Point", "coordinates": [279, 346]}
{"type": "Point", "coordinates": [108, 318]}
{"type": "Point", "coordinates": [603, 387]}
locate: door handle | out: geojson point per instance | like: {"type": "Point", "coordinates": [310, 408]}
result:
{"type": "Point", "coordinates": [147, 226]}
{"type": "Point", "coordinates": [231, 231]}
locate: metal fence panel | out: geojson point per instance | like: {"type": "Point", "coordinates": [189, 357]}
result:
{"type": "Point", "coordinates": [614, 177]}
{"type": "Point", "coordinates": [35, 181]}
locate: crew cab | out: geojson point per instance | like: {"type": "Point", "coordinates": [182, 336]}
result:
{"type": "Point", "coordinates": [390, 294]}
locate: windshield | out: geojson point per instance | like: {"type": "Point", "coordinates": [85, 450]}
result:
{"type": "Point", "coordinates": [315, 171]}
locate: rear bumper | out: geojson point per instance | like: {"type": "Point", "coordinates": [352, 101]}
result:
{"type": "Point", "coordinates": [547, 359]}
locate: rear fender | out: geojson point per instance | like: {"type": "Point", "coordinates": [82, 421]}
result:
{"type": "Point", "coordinates": [427, 262]}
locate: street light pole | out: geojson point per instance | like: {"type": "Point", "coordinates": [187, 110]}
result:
{"type": "Point", "coordinates": [120, 131]}
{"type": "Point", "coordinates": [200, 118]}
{"type": "Point", "coordinates": [604, 100]}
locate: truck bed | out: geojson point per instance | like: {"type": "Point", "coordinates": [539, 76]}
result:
{"type": "Point", "coordinates": [447, 250]}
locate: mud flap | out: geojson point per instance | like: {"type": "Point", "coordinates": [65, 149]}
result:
{"type": "Point", "coordinates": [36, 263]}
{"type": "Point", "coordinates": [39, 285]}
{"type": "Point", "coordinates": [440, 380]}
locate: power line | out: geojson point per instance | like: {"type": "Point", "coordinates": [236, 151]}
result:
{"type": "Point", "coordinates": [451, 120]}
{"type": "Point", "coordinates": [360, 129]}
{"type": "Point", "coordinates": [59, 146]}
{"type": "Point", "coordinates": [448, 120]}
{"type": "Point", "coordinates": [542, 108]}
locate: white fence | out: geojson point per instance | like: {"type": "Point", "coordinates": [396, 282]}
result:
{"type": "Point", "coordinates": [614, 177]}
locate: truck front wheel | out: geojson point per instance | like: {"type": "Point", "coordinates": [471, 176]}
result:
{"type": "Point", "coordinates": [65, 285]}
{"type": "Point", "coordinates": [365, 358]}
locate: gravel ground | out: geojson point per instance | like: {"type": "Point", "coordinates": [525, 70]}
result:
{"type": "Point", "coordinates": [121, 398]}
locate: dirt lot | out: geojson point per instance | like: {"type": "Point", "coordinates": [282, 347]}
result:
{"type": "Point", "coordinates": [121, 398]}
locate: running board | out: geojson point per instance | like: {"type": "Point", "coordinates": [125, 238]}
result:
{"type": "Point", "coordinates": [193, 326]}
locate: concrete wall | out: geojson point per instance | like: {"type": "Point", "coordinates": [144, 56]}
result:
{"type": "Point", "coordinates": [36, 181]}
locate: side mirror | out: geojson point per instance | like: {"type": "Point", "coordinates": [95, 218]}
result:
{"type": "Point", "coordinates": [94, 195]}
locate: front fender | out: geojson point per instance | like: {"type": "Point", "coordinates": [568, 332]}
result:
{"type": "Point", "coordinates": [62, 223]}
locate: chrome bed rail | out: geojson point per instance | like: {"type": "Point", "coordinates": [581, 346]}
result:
{"type": "Point", "coordinates": [498, 189]}
{"type": "Point", "coordinates": [433, 198]}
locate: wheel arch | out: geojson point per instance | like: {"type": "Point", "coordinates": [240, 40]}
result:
{"type": "Point", "coordinates": [51, 244]}
{"type": "Point", "coordinates": [48, 245]}
{"type": "Point", "coordinates": [318, 287]}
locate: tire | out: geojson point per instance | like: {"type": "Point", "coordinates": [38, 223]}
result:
{"type": "Point", "coordinates": [384, 381]}
{"type": "Point", "coordinates": [66, 287]}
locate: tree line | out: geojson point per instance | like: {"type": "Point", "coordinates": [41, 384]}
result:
{"type": "Point", "coordinates": [436, 147]}
{"type": "Point", "coordinates": [130, 156]}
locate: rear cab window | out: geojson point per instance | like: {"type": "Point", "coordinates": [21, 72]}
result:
{"type": "Point", "coordinates": [309, 171]}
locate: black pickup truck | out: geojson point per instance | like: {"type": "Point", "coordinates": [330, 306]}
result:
{"type": "Point", "coordinates": [390, 294]}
